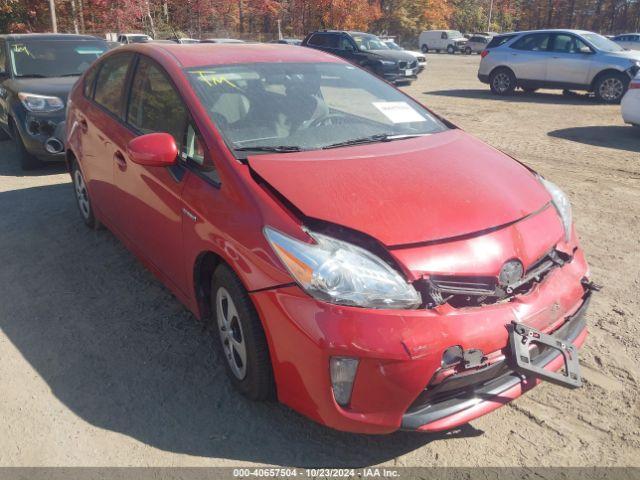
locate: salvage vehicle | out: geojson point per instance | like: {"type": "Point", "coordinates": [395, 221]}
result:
{"type": "Point", "coordinates": [367, 51]}
{"type": "Point", "coordinates": [362, 260]}
{"type": "Point", "coordinates": [451, 41]}
{"type": "Point", "coordinates": [37, 72]}
{"type": "Point", "coordinates": [558, 59]}
{"type": "Point", "coordinates": [420, 57]}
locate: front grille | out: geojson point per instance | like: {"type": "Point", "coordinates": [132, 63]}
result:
{"type": "Point", "coordinates": [402, 64]}
{"type": "Point", "coordinates": [463, 291]}
{"type": "Point", "coordinates": [413, 64]}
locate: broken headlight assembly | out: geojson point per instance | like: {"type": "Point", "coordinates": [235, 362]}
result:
{"type": "Point", "coordinates": [339, 272]}
{"type": "Point", "coordinates": [562, 205]}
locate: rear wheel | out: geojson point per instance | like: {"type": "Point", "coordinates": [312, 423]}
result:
{"type": "Point", "coordinates": [502, 81]}
{"type": "Point", "coordinates": [450, 49]}
{"type": "Point", "coordinates": [27, 161]}
{"type": "Point", "coordinates": [468, 50]}
{"type": "Point", "coordinates": [611, 87]}
{"type": "Point", "coordinates": [242, 339]}
{"type": "Point", "coordinates": [424, 48]}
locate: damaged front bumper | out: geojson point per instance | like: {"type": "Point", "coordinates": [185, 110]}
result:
{"type": "Point", "coordinates": [400, 353]}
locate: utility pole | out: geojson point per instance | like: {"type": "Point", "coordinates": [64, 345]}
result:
{"type": "Point", "coordinates": [279, 29]}
{"type": "Point", "coordinates": [54, 22]}
{"type": "Point", "coordinates": [490, 12]}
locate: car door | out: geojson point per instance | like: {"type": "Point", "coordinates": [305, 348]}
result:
{"type": "Point", "coordinates": [100, 124]}
{"type": "Point", "coordinates": [529, 56]}
{"type": "Point", "coordinates": [347, 49]}
{"type": "Point", "coordinates": [150, 198]}
{"type": "Point", "coordinates": [570, 61]}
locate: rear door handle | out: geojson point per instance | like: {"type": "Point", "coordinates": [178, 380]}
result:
{"type": "Point", "coordinates": [190, 215]}
{"type": "Point", "coordinates": [118, 157]}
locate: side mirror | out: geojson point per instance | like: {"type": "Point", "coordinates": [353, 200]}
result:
{"type": "Point", "coordinates": [153, 150]}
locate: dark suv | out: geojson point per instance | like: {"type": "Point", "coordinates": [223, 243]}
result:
{"type": "Point", "coordinates": [368, 51]}
{"type": "Point", "coordinates": [37, 72]}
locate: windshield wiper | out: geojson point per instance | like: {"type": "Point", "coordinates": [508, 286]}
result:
{"type": "Point", "coordinates": [268, 148]}
{"type": "Point", "coordinates": [379, 137]}
{"type": "Point", "coordinates": [32, 75]}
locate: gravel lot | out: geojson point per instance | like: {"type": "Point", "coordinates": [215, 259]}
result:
{"type": "Point", "coordinates": [100, 365]}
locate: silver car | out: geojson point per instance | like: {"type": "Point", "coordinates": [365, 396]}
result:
{"type": "Point", "coordinates": [558, 59]}
{"type": "Point", "coordinates": [476, 44]}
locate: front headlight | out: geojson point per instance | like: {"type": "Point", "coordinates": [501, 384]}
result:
{"type": "Point", "coordinates": [339, 272]}
{"type": "Point", "coordinates": [561, 203]}
{"type": "Point", "coordinates": [40, 103]}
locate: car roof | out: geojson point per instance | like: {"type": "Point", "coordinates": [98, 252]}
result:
{"type": "Point", "coordinates": [48, 36]}
{"type": "Point", "coordinates": [547, 30]}
{"type": "Point", "coordinates": [206, 54]}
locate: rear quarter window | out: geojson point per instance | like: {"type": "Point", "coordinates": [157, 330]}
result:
{"type": "Point", "coordinates": [499, 40]}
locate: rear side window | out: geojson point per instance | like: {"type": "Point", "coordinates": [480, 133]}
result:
{"type": "Point", "coordinates": [499, 40]}
{"type": "Point", "coordinates": [536, 42]}
{"type": "Point", "coordinates": [109, 89]}
{"type": "Point", "coordinates": [154, 105]}
{"type": "Point", "coordinates": [324, 40]}
{"type": "Point", "coordinates": [3, 58]}
{"type": "Point", "coordinates": [89, 82]}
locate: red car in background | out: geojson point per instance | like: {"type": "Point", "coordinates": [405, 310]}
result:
{"type": "Point", "coordinates": [366, 262]}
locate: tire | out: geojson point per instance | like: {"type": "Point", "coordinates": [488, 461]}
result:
{"type": "Point", "coordinates": [529, 90]}
{"type": "Point", "coordinates": [468, 51]}
{"type": "Point", "coordinates": [424, 48]}
{"type": "Point", "coordinates": [83, 201]}
{"type": "Point", "coordinates": [502, 81]}
{"type": "Point", "coordinates": [450, 49]}
{"type": "Point", "coordinates": [239, 329]}
{"type": "Point", "coordinates": [611, 87]}
{"type": "Point", "coordinates": [27, 161]}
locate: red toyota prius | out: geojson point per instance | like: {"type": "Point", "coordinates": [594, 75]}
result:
{"type": "Point", "coordinates": [364, 261]}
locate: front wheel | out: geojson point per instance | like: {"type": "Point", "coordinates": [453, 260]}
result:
{"type": "Point", "coordinates": [82, 198]}
{"type": "Point", "coordinates": [611, 87]}
{"type": "Point", "coordinates": [451, 50]}
{"type": "Point", "coordinates": [467, 50]}
{"type": "Point", "coordinates": [425, 48]}
{"type": "Point", "coordinates": [242, 340]}
{"type": "Point", "coordinates": [502, 81]}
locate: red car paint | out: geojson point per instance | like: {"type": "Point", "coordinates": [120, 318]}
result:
{"type": "Point", "coordinates": [441, 204]}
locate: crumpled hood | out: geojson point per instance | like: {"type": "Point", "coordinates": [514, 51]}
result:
{"type": "Point", "coordinates": [407, 191]}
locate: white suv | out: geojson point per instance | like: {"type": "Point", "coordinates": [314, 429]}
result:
{"type": "Point", "coordinates": [558, 59]}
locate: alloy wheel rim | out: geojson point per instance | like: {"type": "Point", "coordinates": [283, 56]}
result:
{"type": "Point", "coordinates": [231, 334]}
{"type": "Point", "coordinates": [82, 195]}
{"type": "Point", "coordinates": [501, 82]}
{"type": "Point", "coordinates": [611, 89]}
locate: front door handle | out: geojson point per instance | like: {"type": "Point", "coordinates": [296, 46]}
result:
{"type": "Point", "coordinates": [118, 157]}
{"type": "Point", "coordinates": [190, 215]}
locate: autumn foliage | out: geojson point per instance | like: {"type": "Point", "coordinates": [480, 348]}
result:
{"type": "Point", "coordinates": [258, 19]}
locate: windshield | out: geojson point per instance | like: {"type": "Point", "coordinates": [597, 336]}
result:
{"type": "Point", "coordinates": [602, 43]}
{"type": "Point", "coordinates": [454, 34]}
{"type": "Point", "coordinates": [393, 45]}
{"type": "Point", "coordinates": [304, 105]}
{"type": "Point", "coordinates": [54, 58]}
{"type": "Point", "coordinates": [139, 38]}
{"type": "Point", "coordinates": [369, 42]}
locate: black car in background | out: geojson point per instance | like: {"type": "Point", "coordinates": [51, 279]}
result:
{"type": "Point", "coordinates": [368, 51]}
{"type": "Point", "coordinates": [37, 72]}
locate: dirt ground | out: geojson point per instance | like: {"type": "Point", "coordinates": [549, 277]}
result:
{"type": "Point", "coordinates": [100, 365]}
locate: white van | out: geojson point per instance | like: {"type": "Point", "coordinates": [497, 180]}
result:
{"type": "Point", "coordinates": [450, 40]}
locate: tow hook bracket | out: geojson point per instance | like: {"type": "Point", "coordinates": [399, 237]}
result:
{"type": "Point", "coordinates": [473, 358]}
{"type": "Point", "coordinates": [521, 338]}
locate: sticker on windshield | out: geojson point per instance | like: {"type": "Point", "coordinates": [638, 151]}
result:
{"type": "Point", "coordinates": [399, 112]}
{"type": "Point", "coordinates": [89, 51]}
